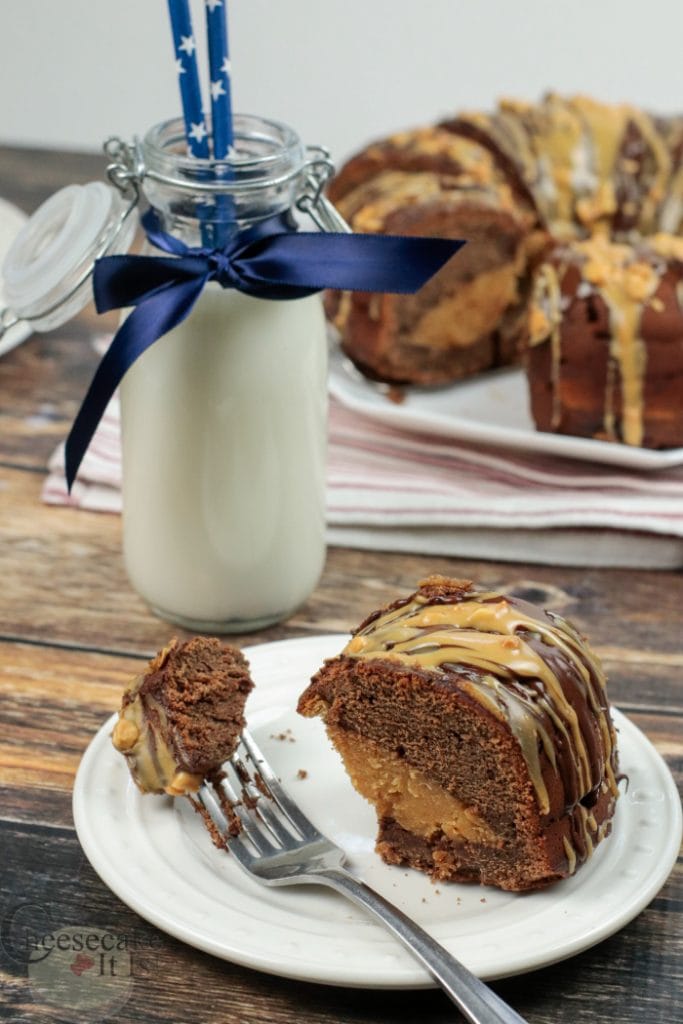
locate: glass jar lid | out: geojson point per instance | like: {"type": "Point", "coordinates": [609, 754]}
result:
{"type": "Point", "coordinates": [46, 272]}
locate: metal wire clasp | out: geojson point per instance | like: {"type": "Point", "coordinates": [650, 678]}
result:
{"type": "Point", "coordinates": [126, 168]}
{"type": "Point", "coordinates": [318, 170]}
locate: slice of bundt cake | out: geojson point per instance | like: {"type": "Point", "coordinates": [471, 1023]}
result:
{"type": "Point", "coordinates": [605, 356]}
{"type": "Point", "coordinates": [478, 726]}
{"type": "Point", "coordinates": [182, 719]}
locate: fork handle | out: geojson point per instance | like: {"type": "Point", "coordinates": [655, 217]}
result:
{"type": "Point", "coordinates": [475, 1000]}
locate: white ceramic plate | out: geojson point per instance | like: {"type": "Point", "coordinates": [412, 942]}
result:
{"type": "Point", "coordinates": [12, 220]}
{"type": "Point", "coordinates": [157, 857]}
{"type": "Point", "coordinates": [491, 408]}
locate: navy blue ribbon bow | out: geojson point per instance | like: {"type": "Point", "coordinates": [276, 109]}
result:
{"type": "Point", "coordinates": [269, 261]}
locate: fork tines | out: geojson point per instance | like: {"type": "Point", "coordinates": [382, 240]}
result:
{"type": "Point", "coordinates": [250, 810]}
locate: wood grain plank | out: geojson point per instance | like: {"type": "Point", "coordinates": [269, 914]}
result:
{"type": "Point", "coordinates": [52, 702]}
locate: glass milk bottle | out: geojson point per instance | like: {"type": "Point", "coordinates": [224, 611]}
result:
{"type": "Point", "coordinates": [224, 418]}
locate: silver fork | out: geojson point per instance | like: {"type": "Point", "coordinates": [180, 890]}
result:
{"type": "Point", "coordinates": [275, 842]}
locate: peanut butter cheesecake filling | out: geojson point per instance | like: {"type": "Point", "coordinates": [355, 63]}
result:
{"type": "Point", "coordinates": [406, 794]}
{"type": "Point", "coordinates": [140, 734]}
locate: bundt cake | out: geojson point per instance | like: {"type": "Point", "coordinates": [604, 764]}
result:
{"type": "Point", "coordinates": [478, 726]}
{"type": "Point", "coordinates": [182, 718]}
{"type": "Point", "coordinates": [557, 173]}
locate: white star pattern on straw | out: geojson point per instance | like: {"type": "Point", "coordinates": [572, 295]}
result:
{"type": "Point", "coordinates": [217, 89]}
{"type": "Point", "coordinates": [179, 66]}
{"type": "Point", "coordinates": [213, 4]}
{"type": "Point", "coordinates": [188, 45]}
{"type": "Point", "coordinates": [226, 66]}
{"type": "Point", "coordinates": [198, 131]}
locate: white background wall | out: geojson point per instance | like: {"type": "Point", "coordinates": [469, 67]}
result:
{"type": "Point", "coordinates": [73, 72]}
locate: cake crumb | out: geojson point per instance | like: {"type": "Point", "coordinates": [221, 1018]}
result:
{"type": "Point", "coordinates": [396, 394]}
{"type": "Point", "coordinates": [262, 786]}
{"type": "Point", "coordinates": [302, 774]}
{"type": "Point", "coordinates": [483, 899]}
{"type": "Point", "coordinates": [283, 737]}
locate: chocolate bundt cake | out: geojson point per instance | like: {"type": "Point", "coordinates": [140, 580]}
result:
{"type": "Point", "coordinates": [558, 172]}
{"type": "Point", "coordinates": [605, 353]}
{"type": "Point", "coordinates": [478, 726]}
{"type": "Point", "coordinates": [182, 719]}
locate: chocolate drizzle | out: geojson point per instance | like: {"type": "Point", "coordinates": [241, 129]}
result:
{"type": "Point", "coordinates": [526, 667]}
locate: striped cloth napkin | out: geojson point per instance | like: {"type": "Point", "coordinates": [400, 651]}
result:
{"type": "Point", "coordinates": [393, 490]}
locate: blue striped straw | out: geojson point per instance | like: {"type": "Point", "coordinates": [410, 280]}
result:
{"type": "Point", "coordinates": [188, 78]}
{"type": "Point", "coordinates": [221, 107]}
{"type": "Point", "coordinates": [219, 71]}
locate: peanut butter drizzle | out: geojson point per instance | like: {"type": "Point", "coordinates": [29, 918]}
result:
{"type": "Point", "coordinates": [606, 125]}
{"type": "Point", "coordinates": [625, 285]}
{"type": "Point", "coordinates": [520, 143]}
{"type": "Point", "coordinates": [570, 853]}
{"type": "Point", "coordinates": [545, 320]}
{"type": "Point", "coordinates": [671, 214]}
{"type": "Point", "coordinates": [669, 247]}
{"type": "Point", "coordinates": [481, 632]}
{"type": "Point", "coordinates": [559, 146]}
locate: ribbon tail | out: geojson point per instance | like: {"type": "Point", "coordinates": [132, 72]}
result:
{"type": "Point", "coordinates": [288, 265]}
{"type": "Point", "coordinates": [155, 316]}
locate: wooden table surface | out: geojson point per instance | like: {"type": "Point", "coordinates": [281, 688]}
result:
{"type": "Point", "coordinates": [72, 632]}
